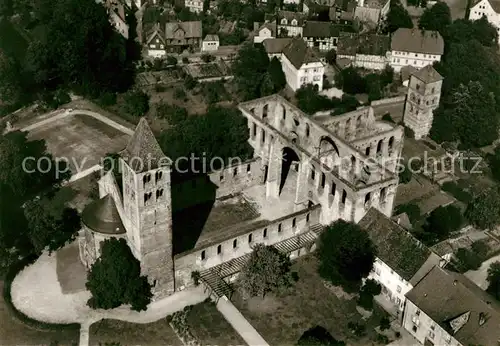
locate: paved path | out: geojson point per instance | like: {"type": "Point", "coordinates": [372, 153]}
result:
{"type": "Point", "coordinates": [239, 323]}
{"type": "Point", "coordinates": [37, 293]}
{"type": "Point", "coordinates": [479, 276]}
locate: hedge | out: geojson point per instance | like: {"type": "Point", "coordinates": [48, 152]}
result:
{"type": "Point", "coordinates": [28, 321]}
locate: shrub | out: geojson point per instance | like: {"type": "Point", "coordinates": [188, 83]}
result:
{"type": "Point", "coordinates": [385, 323]}
{"type": "Point", "coordinates": [453, 189]}
{"type": "Point", "coordinates": [185, 60]}
{"type": "Point", "coordinates": [207, 58]}
{"type": "Point", "coordinates": [171, 60]}
{"type": "Point", "coordinates": [411, 209]}
{"type": "Point", "coordinates": [387, 117]}
{"type": "Point", "coordinates": [357, 329]}
{"type": "Point", "coordinates": [196, 277]}
{"type": "Point", "coordinates": [107, 99]}
{"type": "Point", "coordinates": [180, 94]}
{"type": "Point", "coordinates": [160, 88]}
{"type": "Point", "coordinates": [190, 82]}
{"type": "Point", "coordinates": [382, 339]}
{"type": "Point", "coordinates": [467, 260]}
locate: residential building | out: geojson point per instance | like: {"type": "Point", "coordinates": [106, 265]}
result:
{"type": "Point", "coordinates": [301, 65]}
{"type": "Point", "coordinates": [117, 11]}
{"type": "Point", "coordinates": [183, 35]}
{"type": "Point", "coordinates": [369, 51]}
{"type": "Point", "coordinates": [290, 23]}
{"type": "Point", "coordinates": [489, 9]}
{"type": "Point", "coordinates": [210, 43]}
{"type": "Point", "coordinates": [195, 6]}
{"type": "Point", "coordinates": [401, 260]}
{"type": "Point", "coordinates": [417, 48]}
{"type": "Point", "coordinates": [274, 46]}
{"type": "Point", "coordinates": [424, 93]}
{"type": "Point", "coordinates": [372, 11]}
{"type": "Point", "coordinates": [265, 31]}
{"type": "Point", "coordinates": [445, 308]}
{"type": "Point", "coordinates": [324, 35]}
{"type": "Point", "coordinates": [155, 42]}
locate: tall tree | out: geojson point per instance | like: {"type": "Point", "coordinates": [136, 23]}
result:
{"type": "Point", "coordinates": [398, 17]}
{"type": "Point", "coordinates": [267, 270]}
{"type": "Point", "coordinates": [249, 68]}
{"type": "Point", "coordinates": [115, 278]}
{"type": "Point", "coordinates": [437, 18]}
{"type": "Point", "coordinates": [346, 254]}
{"type": "Point", "coordinates": [484, 210]}
{"type": "Point", "coordinates": [276, 73]}
{"type": "Point", "coordinates": [464, 30]}
{"type": "Point", "coordinates": [441, 222]}
{"type": "Point", "coordinates": [494, 280]}
{"type": "Point", "coordinates": [318, 336]}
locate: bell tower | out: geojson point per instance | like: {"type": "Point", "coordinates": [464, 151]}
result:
{"type": "Point", "coordinates": [424, 93]}
{"type": "Point", "coordinates": [147, 207]}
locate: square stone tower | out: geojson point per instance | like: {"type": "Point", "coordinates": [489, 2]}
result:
{"type": "Point", "coordinates": [147, 208]}
{"type": "Point", "coordinates": [424, 93]}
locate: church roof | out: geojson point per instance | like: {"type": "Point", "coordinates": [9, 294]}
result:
{"type": "Point", "coordinates": [143, 152]}
{"type": "Point", "coordinates": [102, 216]}
{"type": "Point", "coordinates": [428, 74]}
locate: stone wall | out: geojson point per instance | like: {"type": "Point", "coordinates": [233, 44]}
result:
{"type": "Point", "coordinates": [235, 178]}
{"type": "Point", "coordinates": [241, 244]}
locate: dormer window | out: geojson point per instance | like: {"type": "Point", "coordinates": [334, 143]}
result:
{"type": "Point", "coordinates": [284, 21]}
{"type": "Point", "coordinates": [294, 22]}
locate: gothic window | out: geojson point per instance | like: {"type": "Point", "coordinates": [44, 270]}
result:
{"type": "Point", "coordinates": [146, 179]}
{"type": "Point", "coordinates": [264, 234]}
{"type": "Point", "coordinates": [219, 249]}
{"type": "Point", "coordinates": [264, 111]}
{"type": "Point", "coordinates": [294, 222]}
{"type": "Point", "coordinates": [323, 178]}
{"type": "Point", "coordinates": [308, 130]}
{"type": "Point", "coordinates": [344, 196]}
{"type": "Point", "coordinates": [235, 172]}
{"type": "Point", "coordinates": [367, 151]}
{"type": "Point", "coordinates": [159, 193]}
{"type": "Point", "coordinates": [235, 243]}
{"type": "Point", "coordinates": [279, 228]}
{"type": "Point", "coordinates": [333, 189]}
{"type": "Point", "coordinates": [284, 113]}
{"type": "Point", "coordinates": [368, 197]}
{"type": "Point", "coordinates": [147, 196]}
{"type": "Point", "coordinates": [379, 146]}
{"type": "Point", "coordinates": [250, 238]}
{"type": "Point", "coordinates": [391, 143]}
{"type": "Point", "coordinates": [313, 174]}
{"type": "Point", "coordinates": [203, 255]}
{"type": "Point", "coordinates": [158, 175]}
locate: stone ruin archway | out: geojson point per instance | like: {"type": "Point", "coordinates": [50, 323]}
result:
{"type": "Point", "coordinates": [289, 162]}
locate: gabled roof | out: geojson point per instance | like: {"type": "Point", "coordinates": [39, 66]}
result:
{"type": "Point", "coordinates": [427, 74]}
{"type": "Point", "coordinates": [417, 41]}
{"type": "Point", "coordinates": [271, 26]}
{"type": "Point", "coordinates": [102, 216]}
{"type": "Point", "coordinates": [211, 37]}
{"type": "Point", "coordinates": [395, 246]}
{"type": "Point", "coordinates": [495, 4]}
{"type": "Point", "coordinates": [369, 44]}
{"type": "Point", "coordinates": [191, 29]}
{"type": "Point", "coordinates": [325, 29]}
{"type": "Point", "coordinates": [299, 53]}
{"type": "Point", "coordinates": [143, 151]}
{"type": "Point", "coordinates": [289, 16]}
{"type": "Point", "coordinates": [155, 32]}
{"type": "Point", "coordinates": [276, 45]}
{"type": "Point", "coordinates": [459, 306]}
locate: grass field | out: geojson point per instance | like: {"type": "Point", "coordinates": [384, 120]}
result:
{"type": "Point", "coordinates": [13, 332]}
{"type": "Point", "coordinates": [281, 320]}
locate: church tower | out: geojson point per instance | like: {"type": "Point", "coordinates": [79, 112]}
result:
{"type": "Point", "coordinates": [147, 208]}
{"type": "Point", "coordinates": [424, 92]}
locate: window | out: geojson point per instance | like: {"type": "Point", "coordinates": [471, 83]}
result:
{"type": "Point", "coordinates": [414, 328]}
{"type": "Point", "coordinates": [294, 22]}
{"type": "Point", "coordinates": [417, 313]}
{"type": "Point", "coordinates": [333, 189]}
{"type": "Point", "coordinates": [235, 172]}
{"type": "Point", "coordinates": [249, 167]}
{"type": "Point", "coordinates": [433, 326]}
{"type": "Point", "coordinates": [162, 46]}
{"type": "Point", "coordinates": [344, 196]}
{"type": "Point", "coordinates": [157, 40]}
{"type": "Point", "coordinates": [250, 238]}
{"type": "Point", "coordinates": [323, 180]}
{"type": "Point", "coordinates": [307, 217]}
{"type": "Point", "coordinates": [431, 334]}
{"type": "Point", "coordinates": [264, 234]}
{"type": "Point", "coordinates": [447, 339]}
{"type": "Point", "coordinates": [279, 228]}
{"type": "Point", "coordinates": [221, 177]}
{"type": "Point", "coordinates": [263, 135]}
{"type": "Point", "coordinates": [254, 130]}
{"type": "Point", "coordinates": [367, 151]}
{"type": "Point", "coordinates": [235, 243]}
{"type": "Point", "coordinates": [219, 249]}
{"type": "Point", "coordinates": [284, 21]}
{"type": "Point", "coordinates": [294, 222]}
{"type": "Point", "coordinates": [398, 289]}
{"type": "Point", "coordinates": [377, 271]}
{"type": "Point", "coordinates": [313, 174]}
{"type": "Point", "coordinates": [307, 130]}
{"type": "Point", "coordinates": [159, 193]}
{"type": "Point", "coordinates": [316, 78]}
{"type": "Point", "coordinates": [203, 255]}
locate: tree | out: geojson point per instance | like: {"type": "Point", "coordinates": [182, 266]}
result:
{"type": "Point", "coordinates": [346, 254]}
{"type": "Point", "coordinates": [442, 221]}
{"type": "Point", "coordinates": [276, 73]}
{"type": "Point", "coordinates": [470, 117]}
{"type": "Point", "coordinates": [370, 288]}
{"type": "Point", "coordinates": [331, 56]}
{"type": "Point", "coordinates": [494, 162]}
{"type": "Point", "coordinates": [484, 210]}
{"type": "Point", "coordinates": [115, 278]}
{"type": "Point", "coordinates": [172, 113]}
{"type": "Point", "coordinates": [467, 260]}
{"type": "Point", "coordinates": [494, 280]}
{"type": "Point", "coordinates": [350, 81]}
{"type": "Point", "coordinates": [398, 17]}
{"type": "Point", "coordinates": [385, 323]}
{"type": "Point", "coordinates": [137, 103]}
{"type": "Point", "coordinates": [310, 101]}
{"type": "Point", "coordinates": [267, 270]}
{"type": "Point", "coordinates": [11, 87]}
{"type": "Point", "coordinates": [249, 68]}
{"type": "Point", "coordinates": [436, 18]}
{"type": "Point", "coordinates": [412, 210]}
{"type": "Point", "coordinates": [47, 229]}
{"type": "Point", "coordinates": [318, 336]}
{"type": "Point", "coordinates": [405, 174]}
{"type": "Point", "coordinates": [463, 30]}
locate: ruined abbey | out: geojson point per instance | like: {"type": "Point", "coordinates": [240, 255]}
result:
{"type": "Point", "coordinates": [307, 171]}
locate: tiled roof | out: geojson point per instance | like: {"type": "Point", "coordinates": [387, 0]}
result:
{"type": "Point", "coordinates": [460, 307]}
{"type": "Point", "coordinates": [211, 37]}
{"type": "Point", "coordinates": [289, 16]}
{"type": "Point", "coordinates": [276, 45]}
{"type": "Point", "coordinates": [417, 41]}
{"type": "Point", "coordinates": [102, 216]}
{"type": "Point", "coordinates": [155, 32]}
{"type": "Point", "coordinates": [395, 246]}
{"type": "Point", "coordinates": [299, 53]}
{"type": "Point", "coordinates": [143, 151]}
{"type": "Point", "coordinates": [428, 74]}
{"type": "Point", "coordinates": [325, 29]}
{"type": "Point", "coordinates": [191, 29]}
{"type": "Point", "coordinates": [369, 44]}
{"type": "Point", "coordinates": [271, 26]}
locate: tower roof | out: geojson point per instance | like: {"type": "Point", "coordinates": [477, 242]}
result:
{"type": "Point", "coordinates": [102, 216]}
{"type": "Point", "coordinates": [428, 74]}
{"type": "Point", "coordinates": [143, 152]}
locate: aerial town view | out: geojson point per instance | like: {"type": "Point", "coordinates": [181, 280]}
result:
{"type": "Point", "coordinates": [249, 172]}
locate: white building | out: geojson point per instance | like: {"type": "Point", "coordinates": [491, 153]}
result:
{"type": "Point", "coordinates": [195, 6]}
{"type": "Point", "coordinates": [301, 65]}
{"type": "Point", "coordinates": [210, 43]}
{"type": "Point", "coordinates": [117, 16]}
{"type": "Point", "coordinates": [488, 9]}
{"type": "Point", "coordinates": [372, 11]}
{"type": "Point", "coordinates": [368, 51]}
{"type": "Point", "coordinates": [267, 30]}
{"type": "Point", "coordinates": [401, 259]}
{"type": "Point", "coordinates": [324, 36]}
{"type": "Point", "coordinates": [290, 23]}
{"type": "Point", "coordinates": [447, 309]}
{"type": "Point", "coordinates": [417, 48]}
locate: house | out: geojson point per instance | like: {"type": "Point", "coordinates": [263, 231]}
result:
{"type": "Point", "coordinates": [489, 9]}
{"type": "Point", "coordinates": [210, 43]}
{"type": "Point", "coordinates": [290, 23]}
{"type": "Point", "coordinates": [265, 31]}
{"type": "Point", "coordinates": [323, 35]}
{"type": "Point", "coordinates": [183, 35]}
{"type": "Point", "coordinates": [401, 260]}
{"type": "Point", "coordinates": [155, 42]}
{"type": "Point", "coordinates": [372, 11]}
{"type": "Point", "coordinates": [342, 12]}
{"type": "Point", "coordinates": [274, 46]}
{"type": "Point", "coordinates": [417, 48]}
{"type": "Point", "coordinates": [301, 65]}
{"type": "Point", "coordinates": [369, 51]}
{"type": "Point", "coordinates": [195, 6]}
{"type": "Point", "coordinates": [117, 16]}
{"type": "Point", "coordinates": [446, 308]}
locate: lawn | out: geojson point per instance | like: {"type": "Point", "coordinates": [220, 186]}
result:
{"type": "Point", "coordinates": [282, 319]}
{"type": "Point", "coordinates": [13, 332]}
{"type": "Point", "coordinates": [210, 327]}
{"type": "Point", "coordinates": [158, 333]}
